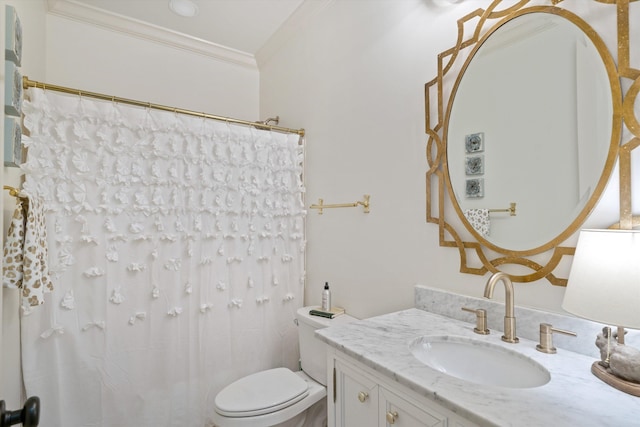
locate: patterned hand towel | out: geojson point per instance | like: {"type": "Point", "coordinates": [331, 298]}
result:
{"type": "Point", "coordinates": [479, 220]}
{"type": "Point", "coordinates": [26, 254]}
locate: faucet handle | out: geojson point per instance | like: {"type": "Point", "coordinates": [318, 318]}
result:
{"type": "Point", "coordinates": [481, 320]}
{"type": "Point", "coordinates": [546, 338]}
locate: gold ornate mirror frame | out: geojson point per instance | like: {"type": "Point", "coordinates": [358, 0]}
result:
{"type": "Point", "coordinates": [437, 178]}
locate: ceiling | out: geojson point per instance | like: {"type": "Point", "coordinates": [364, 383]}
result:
{"type": "Point", "coordinates": [242, 25]}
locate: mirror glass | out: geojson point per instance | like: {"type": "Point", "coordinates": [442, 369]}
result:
{"type": "Point", "coordinates": [531, 123]}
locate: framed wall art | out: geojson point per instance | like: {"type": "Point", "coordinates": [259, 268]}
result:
{"type": "Point", "coordinates": [474, 188]}
{"type": "Point", "coordinates": [12, 90]}
{"type": "Point", "coordinates": [474, 143]}
{"type": "Point", "coordinates": [12, 141]}
{"type": "Point", "coordinates": [13, 36]}
{"type": "Point", "coordinates": [474, 165]}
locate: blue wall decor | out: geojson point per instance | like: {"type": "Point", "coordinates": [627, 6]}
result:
{"type": "Point", "coordinates": [13, 36]}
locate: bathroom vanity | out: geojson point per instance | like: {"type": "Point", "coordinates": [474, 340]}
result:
{"type": "Point", "coordinates": [366, 398]}
{"type": "Point", "coordinates": [378, 381]}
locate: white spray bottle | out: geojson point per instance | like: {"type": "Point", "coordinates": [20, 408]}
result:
{"type": "Point", "coordinates": [326, 297]}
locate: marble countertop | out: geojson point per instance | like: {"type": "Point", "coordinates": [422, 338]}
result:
{"type": "Point", "coordinates": [573, 396]}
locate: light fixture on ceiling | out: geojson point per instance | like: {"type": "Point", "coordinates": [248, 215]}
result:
{"type": "Point", "coordinates": [446, 2]}
{"type": "Point", "coordinates": [185, 8]}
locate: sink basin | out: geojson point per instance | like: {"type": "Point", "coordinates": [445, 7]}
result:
{"type": "Point", "coordinates": [479, 362]}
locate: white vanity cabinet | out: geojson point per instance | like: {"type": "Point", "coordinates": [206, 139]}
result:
{"type": "Point", "coordinates": [356, 397]}
{"type": "Point", "coordinates": [360, 397]}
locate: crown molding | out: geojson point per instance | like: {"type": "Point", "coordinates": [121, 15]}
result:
{"type": "Point", "coordinates": [299, 18]}
{"type": "Point", "coordinates": [73, 10]}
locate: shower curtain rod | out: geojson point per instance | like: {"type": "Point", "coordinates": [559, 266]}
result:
{"type": "Point", "coordinates": [26, 83]}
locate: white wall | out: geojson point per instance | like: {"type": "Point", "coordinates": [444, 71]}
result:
{"type": "Point", "coordinates": [354, 78]}
{"type": "Point", "coordinates": [91, 58]}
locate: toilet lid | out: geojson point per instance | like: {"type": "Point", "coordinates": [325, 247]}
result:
{"type": "Point", "coordinates": [261, 393]}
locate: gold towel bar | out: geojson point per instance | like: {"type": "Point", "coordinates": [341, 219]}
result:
{"type": "Point", "coordinates": [320, 206]}
{"type": "Point", "coordinates": [511, 209]}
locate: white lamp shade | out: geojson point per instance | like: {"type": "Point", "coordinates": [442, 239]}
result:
{"type": "Point", "coordinates": [604, 282]}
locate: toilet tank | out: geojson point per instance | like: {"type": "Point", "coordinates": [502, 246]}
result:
{"type": "Point", "coordinates": [313, 352]}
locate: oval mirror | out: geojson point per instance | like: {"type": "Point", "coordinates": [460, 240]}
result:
{"type": "Point", "coordinates": [532, 121]}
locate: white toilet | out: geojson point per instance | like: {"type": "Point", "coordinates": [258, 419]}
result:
{"type": "Point", "coordinates": [280, 396]}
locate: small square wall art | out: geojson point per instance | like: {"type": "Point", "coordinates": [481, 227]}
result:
{"type": "Point", "coordinates": [12, 142]}
{"type": "Point", "coordinates": [474, 165]}
{"type": "Point", "coordinates": [12, 90]}
{"type": "Point", "coordinates": [475, 188]}
{"type": "Point", "coordinates": [474, 143]}
{"type": "Point", "coordinates": [12, 36]}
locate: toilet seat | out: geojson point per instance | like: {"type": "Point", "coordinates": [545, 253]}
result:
{"type": "Point", "coordinates": [256, 395]}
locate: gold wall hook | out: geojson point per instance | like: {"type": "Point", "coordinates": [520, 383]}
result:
{"type": "Point", "coordinates": [15, 192]}
{"type": "Point", "coordinates": [12, 190]}
{"type": "Point", "coordinates": [321, 206]}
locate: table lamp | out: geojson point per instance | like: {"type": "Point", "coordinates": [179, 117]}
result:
{"type": "Point", "coordinates": [604, 286]}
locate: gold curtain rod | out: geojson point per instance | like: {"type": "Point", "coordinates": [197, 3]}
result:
{"type": "Point", "coordinates": [26, 83]}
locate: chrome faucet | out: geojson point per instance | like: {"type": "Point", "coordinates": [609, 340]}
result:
{"type": "Point", "coordinates": [509, 317]}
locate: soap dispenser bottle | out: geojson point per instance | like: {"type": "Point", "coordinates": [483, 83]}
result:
{"type": "Point", "coordinates": [326, 297]}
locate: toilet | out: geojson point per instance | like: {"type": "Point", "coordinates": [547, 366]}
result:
{"type": "Point", "coordinates": [279, 396]}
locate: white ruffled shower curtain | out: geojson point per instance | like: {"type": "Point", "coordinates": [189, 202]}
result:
{"type": "Point", "coordinates": [176, 250]}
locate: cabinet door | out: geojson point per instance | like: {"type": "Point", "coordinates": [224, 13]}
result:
{"type": "Point", "coordinates": [356, 398]}
{"type": "Point", "coordinates": [398, 412]}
